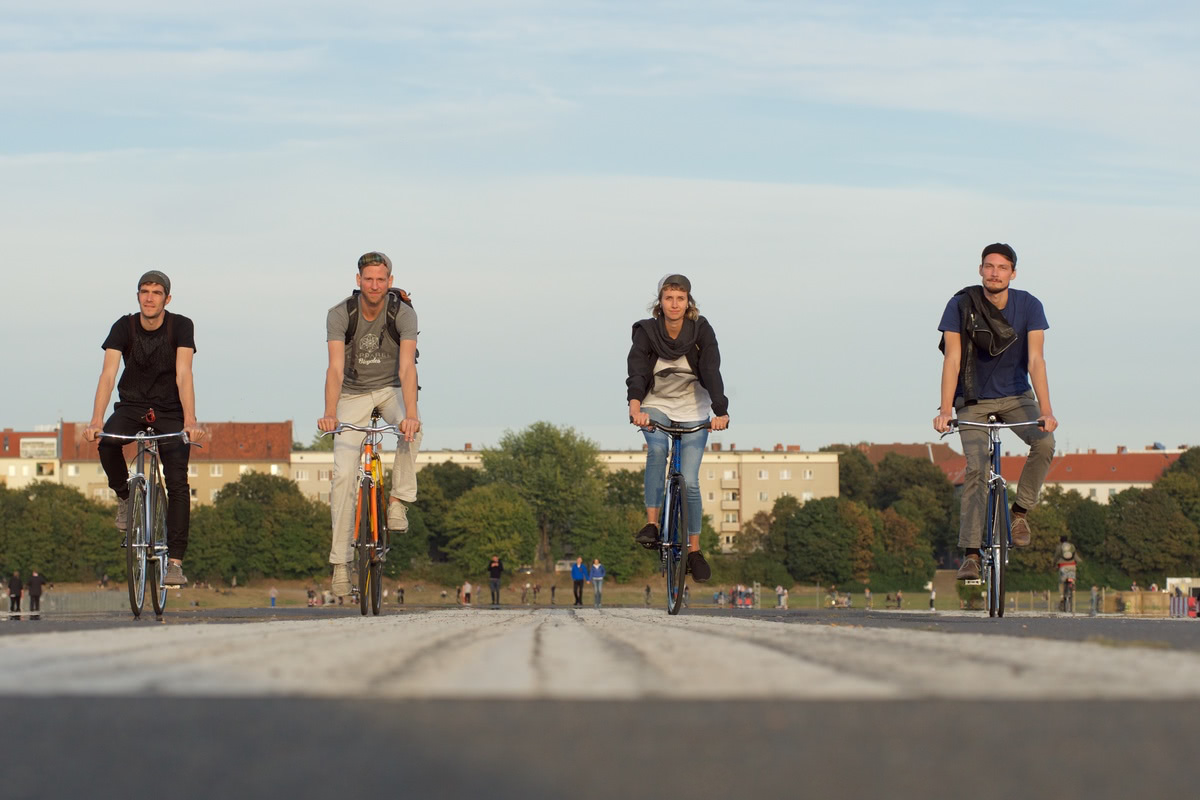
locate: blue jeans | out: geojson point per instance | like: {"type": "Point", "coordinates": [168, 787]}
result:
{"type": "Point", "coordinates": [691, 450]}
{"type": "Point", "coordinates": [597, 589]}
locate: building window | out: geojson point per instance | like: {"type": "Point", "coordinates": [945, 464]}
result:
{"type": "Point", "coordinates": [193, 471]}
{"type": "Point", "coordinates": [785, 474]}
{"type": "Point", "coordinates": [762, 474]}
{"type": "Point", "coordinates": [730, 474]}
{"type": "Point", "coordinates": [808, 474]}
{"type": "Point", "coordinates": [763, 496]}
{"type": "Point", "coordinates": [276, 469]}
{"type": "Point", "coordinates": [1112, 492]}
{"type": "Point", "coordinates": [324, 474]}
{"type": "Point", "coordinates": [712, 496]}
{"type": "Point", "coordinates": [785, 493]}
{"type": "Point", "coordinates": [301, 474]}
{"type": "Point", "coordinates": [711, 475]}
{"type": "Point", "coordinates": [243, 469]}
{"type": "Point", "coordinates": [731, 516]}
{"type": "Point", "coordinates": [1092, 492]}
{"type": "Point", "coordinates": [12, 470]}
{"type": "Point", "coordinates": [216, 470]}
{"type": "Point", "coordinates": [730, 495]}
{"type": "Point", "coordinates": [25, 470]}
{"type": "Point", "coordinates": [323, 497]}
{"type": "Point", "coordinates": [73, 470]}
{"type": "Point", "coordinates": [806, 496]}
{"type": "Point", "coordinates": [195, 494]}
{"type": "Point", "coordinates": [728, 540]}
{"type": "Point", "coordinates": [212, 495]}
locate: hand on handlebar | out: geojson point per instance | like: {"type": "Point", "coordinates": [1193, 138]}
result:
{"type": "Point", "coordinates": [943, 422]}
{"type": "Point", "coordinates": [1048, 422]}
{"type": "Point", "coordinates": [89, 433]}
{"type": "Point", "coordinates": [409, 426]}
{"type": "Point", "coordinates": [641, 419]}
{"type": "Point", "coordinates": [327, 424]}
{"type": "Point", "coordinates": [719, 423]}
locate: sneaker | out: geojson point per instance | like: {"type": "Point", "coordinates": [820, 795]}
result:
{"type": "Point", "coordinates": [698, 566]}
{"type": "Point", "coordinates": [397, 518]}
{"type": "Point", "coordinates": [1021, 535]}
{"type": "Point", "coordinates": [647, 536]}
{"type": "Point", "coordinates": [122, 513]}
{"type": "Point", "coordinates": [175, 576]}
{"type": "Point", "coordinates": [341, 579]}
{"type": "Point", "coordinates": [969, 570]}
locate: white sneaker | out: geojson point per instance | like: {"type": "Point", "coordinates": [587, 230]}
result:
{"type": "Point", "coordinates": [122, 520]}
{"type": "Point", "coordinates": [175, 576]}
{"type": "Point", "coordinates": [397, 519]}
{"type": "Point", "coordinates": [341, 580]}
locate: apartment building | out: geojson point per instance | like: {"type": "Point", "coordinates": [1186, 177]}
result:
{"type": "Point", "coordinates": [313, 470]}
{"type": "Point", "coordinates": [230, 450]}
{"type": "Point", "coordinates": [1098, 476]}
{"type": "Point", "coordinates": [28, 456]}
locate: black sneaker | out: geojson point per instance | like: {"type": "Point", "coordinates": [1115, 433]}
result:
{"type": "Point", "coordinates": [647, 536]}
{"type": "Point", "coordinates": [698, 566]}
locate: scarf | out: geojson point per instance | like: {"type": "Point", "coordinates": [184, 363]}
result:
{"type": "Point", "coordinates": [664, 346]}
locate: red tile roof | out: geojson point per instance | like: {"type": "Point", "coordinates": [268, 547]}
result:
{"type": "Point", "coordinates": [226, 441]}
{"type": "Point", "coordinates": [10, 440]}
{"type": "Point", "coordinates": [935, 452]}
{"type": "Point", "coordinates": [1143, 467]}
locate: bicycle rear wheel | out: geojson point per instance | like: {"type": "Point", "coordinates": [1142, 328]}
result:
{"type": "Point", "coordinates": [1000, 533]}
{"type": "Point", "coordinates": [135, 545]}
{"type": "Point", "coordinates": [676, 544]}
{"type": "Point", "coordinates": [158, 549]}
{"type": "Point", "coordinates": [364, 545]}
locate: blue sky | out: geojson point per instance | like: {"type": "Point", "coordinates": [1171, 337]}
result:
{"type": "Point", "coordinates": [825, 173]}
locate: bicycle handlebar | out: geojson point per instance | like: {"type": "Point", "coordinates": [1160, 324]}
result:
{"type": "Point", "coordinates": [954, 423]}
{"type": "Point", "coordinates": [346, 426]}
{"type": "Point", "coordinates": [674, 428]}
{"type": "Point", "coordinates": [144, 437]}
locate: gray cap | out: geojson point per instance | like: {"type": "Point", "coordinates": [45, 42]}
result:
{"type": "Point", "coordinates": [676, 280]}
{"type": "Point", "coordinates": [154, 276]}
{"type": "Point", "coordinates": [374, 257]}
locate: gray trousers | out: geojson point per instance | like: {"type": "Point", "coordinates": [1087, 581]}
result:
{"type": "Point", "coordinates": [1023, 408]}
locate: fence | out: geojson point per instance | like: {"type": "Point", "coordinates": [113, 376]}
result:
{"type": "Point", "coordinates": [75, 602]}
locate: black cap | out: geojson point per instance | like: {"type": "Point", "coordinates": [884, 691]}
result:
{"type": "Point", "coordinates": [675, 280]}
{"type": "Point", "coordinates": [154, 276]}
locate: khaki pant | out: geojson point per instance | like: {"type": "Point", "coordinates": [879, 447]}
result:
{"type": "Point", "coordinates": [1023, 408]}
{"type": "Point", "coordinates": [356, 410]}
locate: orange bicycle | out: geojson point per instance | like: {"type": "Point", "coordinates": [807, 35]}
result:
{"type": "Point", "coordinates": [371, 543]}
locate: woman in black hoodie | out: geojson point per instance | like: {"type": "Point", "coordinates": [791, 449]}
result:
{"type": "Point", "coordinates": [674, 378]}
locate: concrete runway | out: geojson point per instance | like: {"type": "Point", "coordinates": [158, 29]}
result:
{"type": "Point", "coordinates": [618, 702]}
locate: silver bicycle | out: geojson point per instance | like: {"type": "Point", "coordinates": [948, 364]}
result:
{"type": "Point", "coordinates": [146, 520]}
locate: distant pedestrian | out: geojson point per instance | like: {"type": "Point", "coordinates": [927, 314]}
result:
{"type": "Point", "coordinates": [778, 596]}
{"type": "Point", "coordinates": [14, 591]}
{"type": "Point", "coordinates": [274, 596]}
{"type": "Point", "coordinates": [1095, 605]}
{"type": "Point", "coordinates": [312, 597]}
{"type": "Point", "coordinates": [400, 594]}
{"type": "Point", "coordinates": [579, 574]}
{"type": "Point", "coordinates": [932, 598]}
{"type": "Point", "coordinates": [596, 574]}
{"type": "Point", "coordinates": [867, 598]}
{"type": "Point", "coordinates": [36, 582]}
{"type": "Point", "coordinates": [785, 598]}
{"type": "Point", "coordinates": [466, 592]}
{"type": "Point", "coordinates": [495, 570]}
{"type": "Point", "coordinates": [899, 599]}
{"type": "Point", "coordinates": [553, 590]}
{"type": "Point", "coordinates": [525, 594]}
{"type": "Point", "coordinates": [537, 587]}
{"type": "Point", "coordinates": [647, 595]}
{"type": "Point", "coordinates": [458, 595]}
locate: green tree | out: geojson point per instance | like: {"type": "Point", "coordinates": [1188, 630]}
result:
{"type": "Point", "coordinates": [558, 473]}
{"type": "Point", "coordinates": [820, 542]}
{"type": "Point", "coordinates": [896, 473]}
{"type": "Point", "coordinates": [856, 474]}
{"type": "Point", "coordinates": [625, 487]}
{"type": "Point", "coordinates": [1149, 538]}
{"type": "Point", "coordinates": [490, 520]}
{"type": "Point", "coordinates": [920, 505]}
{"type": "Point", "coordinates": [901, 557]}
{"type": "Point", "coordinates": [1036, 567]}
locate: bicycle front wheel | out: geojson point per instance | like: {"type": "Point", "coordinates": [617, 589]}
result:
{"type": "Point", "coordinates": [365, 544]}
{"type": "Point", "coordinates": [1000, 533]}
{"type": "Point", "coordinates": [158, 549]}
{"type": "Point", "coordinates": [676, 544]}
{"type": "Point", "coordinates": [136, 537]}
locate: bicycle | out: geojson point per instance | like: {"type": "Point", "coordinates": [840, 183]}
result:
{"type": "Point", "coordinates": [672, 530]}
{"type": "Point", "coordinates": [371, 536]}
{"type": "Point", "coordinates": [1066, 573]}
{"type": "Point", "coordinates": [146, 520]}
{"type": "Point", "coordinates": [998, 531]}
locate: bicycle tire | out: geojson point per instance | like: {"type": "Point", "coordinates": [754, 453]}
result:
{"type": "Point", "coordinates": [1001, 555]}
{"type": "Point", "coordinates": [364, 545]}
{"type": "Point", "coordinates": [676, 544]}
{"type": "Point", "coordinates": [158, 542]}
{"type": "Point", "coordinates": [135, 545]}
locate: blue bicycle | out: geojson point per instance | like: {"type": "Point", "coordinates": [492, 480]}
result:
{"type": "Point", "coordinates": [673, 542]}
{"type": "Point", "coordinates": [998, 530]}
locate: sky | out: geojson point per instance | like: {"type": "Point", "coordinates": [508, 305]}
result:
{"type": "Point", "coordinates": [826, 174]}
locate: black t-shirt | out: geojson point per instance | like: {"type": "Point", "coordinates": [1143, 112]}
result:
{"type": "Point", "coordinates": [148, 380]}
{"type": "Point", "coordinates": [35, 583]}
{"type": "Point", "coordinates": [14, 585]}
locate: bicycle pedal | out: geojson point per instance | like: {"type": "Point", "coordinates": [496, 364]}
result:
{"type": "Point", "coordinates": [976, 582]}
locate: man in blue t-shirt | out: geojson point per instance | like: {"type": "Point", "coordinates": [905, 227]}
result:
{"type": "Point", "coordinates": [1000, 370]}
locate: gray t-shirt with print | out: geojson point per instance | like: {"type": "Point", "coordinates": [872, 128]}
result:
{"type": "Point", "coordinates": [378, 357]}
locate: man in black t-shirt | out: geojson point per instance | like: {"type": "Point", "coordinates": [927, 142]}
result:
{"type": "Point", "coordinates": [14, 591]}
{"type": "Point", "coordinates": [156, 388]}
{"type": "Point", "coordinates": [36, 582]}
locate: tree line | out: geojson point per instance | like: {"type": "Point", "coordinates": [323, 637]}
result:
{"type": "Point", "coordinates": [542, 494]}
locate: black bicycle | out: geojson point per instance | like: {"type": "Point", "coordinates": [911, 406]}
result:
{"type": "Point", "coordinates": [146, 520]}
{"type": "Point", "coordinates": [672, 529]}
{"type": "Point", "coordinates": [998, 527]}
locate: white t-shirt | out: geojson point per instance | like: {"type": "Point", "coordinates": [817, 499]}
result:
{"type": "Point", "coordinates": [677, 392]}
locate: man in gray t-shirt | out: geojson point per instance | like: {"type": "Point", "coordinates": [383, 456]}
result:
{"type": "Point", "coordinates": [378, 363]}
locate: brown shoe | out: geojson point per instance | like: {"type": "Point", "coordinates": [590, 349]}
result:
{"type": "Point", "coordinates": [969, 570]}
{"type": "Point", "coordinates": [1021, 534]}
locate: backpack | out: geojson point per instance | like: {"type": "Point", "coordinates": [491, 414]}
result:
{"type": "Point", "coordinates": [395, 298]}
